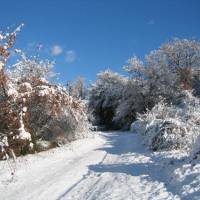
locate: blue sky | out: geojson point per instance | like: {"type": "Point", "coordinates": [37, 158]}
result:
{"type": "Point", "coordinates": [88, 36]}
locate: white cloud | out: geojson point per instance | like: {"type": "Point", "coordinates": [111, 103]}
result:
{"type": "Point", "coordinates": [56, 50]}
{"type": "Point", "coordinates": [151, 22]}
{"type": "Point", "coordinates": [70, 56]}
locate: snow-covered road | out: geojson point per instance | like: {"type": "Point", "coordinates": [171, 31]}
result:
{"type": "Point", "coordinates": [112, 166]}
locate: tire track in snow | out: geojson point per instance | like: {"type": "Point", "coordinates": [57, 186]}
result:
{"type": "Point", "coordinates": [86, 176]}
{"type": "Point", "coordinates": [114, 178]}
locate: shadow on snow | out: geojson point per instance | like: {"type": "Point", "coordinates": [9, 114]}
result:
{"type": "Point", "coordinates": [153, 170]}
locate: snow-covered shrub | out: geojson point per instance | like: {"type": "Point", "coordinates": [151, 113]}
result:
{"type": "Point", "coordinates": [54, 114]}
{"type": "Point", "coordinates": [12, 115]}
{"type": "Point", "coordinates": [32, 108]}
{"type": "Point", "coordinates": [169, 134]}
{"type": "Point", "coordinates": [172, 126]}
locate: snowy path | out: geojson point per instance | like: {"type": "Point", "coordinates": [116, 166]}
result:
{"type": "Point", "coordinates": [113, 168]}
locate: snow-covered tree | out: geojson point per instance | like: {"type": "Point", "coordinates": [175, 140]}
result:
{"type": "Point", "coordinates": [29, 69]}
{"type": "Point", "coordinates": [132, 101]}
{"type": "Point", "coordinates": [79, 90]}
{"type": "Point", "coordinates": [165, 73]}
{"type": "Point", "coordinates": [181, 57]}
{"type": "Point", "coordinates": [105, 96]}
{"type": "Point", "coordinates": [147, 84]}
{"type": "Point", "coordinates": [135, 68]}
{"type": "Point", "coordinates": [161, 80]}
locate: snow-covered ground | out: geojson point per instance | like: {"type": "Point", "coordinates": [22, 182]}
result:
{"type": "Point", "coordinates": [108, 166]}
